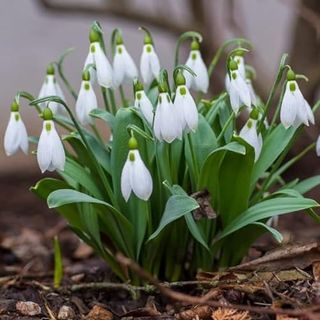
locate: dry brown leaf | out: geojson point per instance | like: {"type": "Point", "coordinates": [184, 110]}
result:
{"type": "Point", "coordinates": [99, 313]}
{"type": "Point", "coordinates": [286, 257]}
{"type": "Point", "coordinates": [316, 270]}
{"type": "Point", "coordinates": [284, 317]}
{"type": "Point", "coordinates": [197, 312]}
{"type": "Point", "coordinates": [230, 314]}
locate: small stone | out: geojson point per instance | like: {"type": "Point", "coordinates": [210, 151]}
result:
{"type": "Point", "coordinates": [28, 308]}
{"type": "Point", "coordinates": [66, 313]}
{"type": "Point", "coordinates": [99, 313]}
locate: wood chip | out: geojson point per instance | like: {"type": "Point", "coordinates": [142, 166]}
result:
{"type": "Point", "coordinates": [66, 313]}
{"type": "Point", "coordinates": [99, 313]}
{"type": "Point", "coordinates": [197, 312]}
{"type": "Point", "coordinates": [230, 314]}
{"type": "Point", "coordinates": [28, 308]}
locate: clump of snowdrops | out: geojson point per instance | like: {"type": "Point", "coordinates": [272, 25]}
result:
{"type": "Point", "coordinates": [181, 185]}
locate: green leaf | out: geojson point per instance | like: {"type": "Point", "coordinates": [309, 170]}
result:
{"type": "Point", "coordinates": [140, 132]}
{"type": "Point", "coordinates": [121, 230]}
{"type": "Point", "coordinates": [81, 176]}
{"type": "Point", "coordinates": [267, 209]}
{"type": "Point", "coordinates": [307, 184]}
{"type": "Point", "coordinates": [46, 186]}
{"type": "Point", "coordinates": [103, 115]}
{"type": "Point", "coordinates": [273, 145]}
{"type": "Point", "coordinates": [275, 233]}
{"type": "Point", "coordinates": [177, 206]}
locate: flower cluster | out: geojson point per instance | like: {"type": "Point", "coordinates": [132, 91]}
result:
{"type": "Point", "coordinates": [183, 170]}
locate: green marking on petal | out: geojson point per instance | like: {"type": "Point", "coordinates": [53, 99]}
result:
{"type": "Point", "coordinates": [249, 124]}
{"type": "Point", "coordinates": [139, 95]}
{"type": "Point", "coordinates": [292, 87]}
{"type": "Point", "coordinates": [131, 156]}
{"type": "Point", "coordinates": [87, 86]}
{"type": "Point", "coordinates": [17, 117]}
{"type": "Point", "coordinates": [194, 56]}
{"type": "Point", "coordinates": [92, 48]}
{"type": "Point", "coordinates": [48, 126]}
{"type": "Point", "coordinates": [183, 91]}
{"type": "Point", "coordinates": [234, 75]}
{"type": "Point", "coordinates": [149, 48]}
{"type": "Point", "coordinates": [119, 50]}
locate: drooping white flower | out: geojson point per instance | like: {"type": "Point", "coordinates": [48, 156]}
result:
{"type": "Point", "coordinates": [51, 87]}
{"type": "Point", "coordinates": [124, 68]}
{"type": "Point", "coordinates": [16, 136]}
{"type": "Point", "coordinates": [143, 103]}
{"type": "Point", "coordinates": [238, 58]}
{"type": "Point", "coordinates": [90, 60]}
{"type": "Point", "coordinates": [50, 152]}
{"type": "Point", "coordinates": [135, 176]}
{"type": "Point", "coordinates": [318, 146]}
{"type": "Point", "coordinates": [253, 95]}
{"type": "Point", "coordinates": [295, 110]}
{"type": "Point", "coordinates": [149, 63]}
{"type": "Point", "coordinates": [86, 101]}
{"type": "Point", "coordinates": [237, 88]}
{"type": "Point", "coordinates": [199, 82]}
{"type": "Point", "coordinates": [167, 123]}
{"type": "Point", "coordinates": [250, 134]}
{"type": "Point", "coordinates": [185, 105]}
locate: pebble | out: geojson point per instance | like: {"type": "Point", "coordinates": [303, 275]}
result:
{"type": "Point", "coordinates": [28, 308]}
{"type": "Point", "coordinates": [66, 313]}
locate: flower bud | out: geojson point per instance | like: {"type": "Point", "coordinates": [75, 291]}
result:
{"type": "Point", "coordinates": [291, 75]}
{"type": "Point", "coordinates": [119, 39]}
{"type": "Point", "coordinates": [195, 45]}
{"type": "Point", "coordinates": [94, 36]}
{"type": "Point", "coordinates": [50, 69]}
{"type": "Point", "coordinates": [47, 114]}
{"type": "Point", "coordinates": [180, 80]}
{"type": "Point", "coordinates": [14, 106]}
{"type": "Point", "coordinates": [86, 75]}
{"type": "Point", "coordinates": [133, 143]}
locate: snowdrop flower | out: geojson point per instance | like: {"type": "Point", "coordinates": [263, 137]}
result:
{"type": "Point", "coordinates": [237, 88]}
{"type": "Point", "coordinates": [16, 136]}
{"type": "Point", "coordinates": [50, 153]}
{"type": "Point", "coordinates": [167, 123]}
{"type": "Point", "coordinates": [199, 82]}
{"type": "Point", "coordinates": [318, 146]}
{"type": "Point", "coordinates": [295, 110]}
{"type": "Point", "coordinates": [124, 68]}
{"type": "Point", "coordinates": [51, 87]}
{"type": "Point", "coordinates": [135, 176]}
{"type": "Point", "coordinates": [97, 56]}
{"type": "Point", "coordinates": [149, 61]}
{"type": "Point", "coordinates": [253, 95]}
{"type": "Point", "coordinates": [250, 134]}
{"type": "Point", "coordinates": [86, 101]}
{"type": "Point", "coordinates": [185, 105]}
{"type": "Point", "coordinates": [143, 103]}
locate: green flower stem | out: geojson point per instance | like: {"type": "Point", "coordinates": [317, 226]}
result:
{"type": "Point", "coordinates": [112, 101]}
{"type": "Point", "coordinates": [282, 67]}
{"type": "Point", "coordinates": [66, 82]}
{"type": "Point", "coordinates": [290, 163]}
{"type": "Point", "coordinates": [123, 97]}
{"type": "Point", "coordinates": [220, 51]}
{"type": "Point", "coordinates": [276, 114]}
{"type": "Point", "coordinates": [105, 99]}
{"type": "Point", "coordinates": [226, 126]}
{"type": "Point", "coordinates": [97, 133]}
{"type": "Point", "coordinates": [194, 161]}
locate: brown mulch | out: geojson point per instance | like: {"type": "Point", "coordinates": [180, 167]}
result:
{"type": "Point", "coordinates": [266, 286]}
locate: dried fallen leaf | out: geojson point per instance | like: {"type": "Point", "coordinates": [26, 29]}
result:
{"type": "Point", "coordinates": [316, 270]}
{"type": "Point", "coordinates": [286, 257]}
{"type": "Point", "coordinates": [99, 313]}
{"type": "Point", "coordinates": [197, 312]}
{"type": "Point", "coordinates": [28, 308]}
{"type": "Point", "coordinates": [230, 314]}
{"type": "Point", "coordinates": [66, 313]}
{"type": "Point", "coordinates": [284, 317]}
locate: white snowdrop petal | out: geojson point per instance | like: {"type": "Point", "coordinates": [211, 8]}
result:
{"type": "Point", "coordinates": [242, 90]}
{"type": "Point", "coordinates": [253, 95]}
{"type": "Point", "coordinates": [141, 180]}
{"type": "Point", "coordinates": [309, 112]}
{"type": "Point", "coordinates": [80, 104]}
{"type": "Point", "coordinates": [234, 98]}
{"type": "Point", "coordinates": [191, 112]}
{"type": "Point", "coordinates": [189, 77]}
{"type": "Point", "coordinates": [179, 106]}
{"type": "Point", "coordinates": [131, 71]}
{"type": "Point", "coordinates": [44, 151]}
{"type": "Point", "coordinates": [104, 69]}
{"type": "Point", "coordinates": [145, 106]}
{"type": "Point", "coordinates": [288, 110]}
{"type": "Point", "coordinates": [58, 155]}
{"type": "Point", "coordinates": [23, 135]}
{"type": "Point", "coordinates": [154, 63]}
{"type": "Point", "coordinates": [11, 137]}
{"type": "Point", "coordinates": [201, 80]}
{"type": "Point", "coordinates": [302, 115]}
{"type": "Point", "coordinates": [145, 67]}
{"type": "Point", "coordinates": [157, 120]}
{"type": "Point", "coordinates": [125, 180]}
{"type": "Point", "coordinates": [92, 71]}
{"type": "Point", "coordinates": [118, 68]}
{"type": "Point", "coordinates": [318, 146]}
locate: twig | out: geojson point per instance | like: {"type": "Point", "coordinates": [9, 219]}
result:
{"type": "Point", "coordinates": [185, 298]}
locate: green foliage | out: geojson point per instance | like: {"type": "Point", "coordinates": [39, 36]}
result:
{"type": "Point", "coordinates": [211, 200]}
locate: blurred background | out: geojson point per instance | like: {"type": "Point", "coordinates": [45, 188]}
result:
{"type": "Point", "coordinates": [36, 32]}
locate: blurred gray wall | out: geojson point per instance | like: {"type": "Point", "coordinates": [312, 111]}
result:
{"type": "Point", "coordinates": [30, 38]}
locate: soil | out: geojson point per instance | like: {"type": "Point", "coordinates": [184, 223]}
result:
{"type": "Point", "coordinates": [89, 290]}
